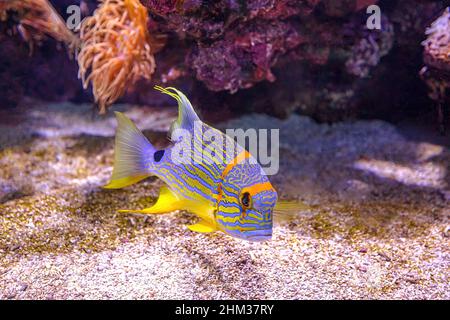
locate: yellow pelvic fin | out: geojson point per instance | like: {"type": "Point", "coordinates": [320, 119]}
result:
{"type": "Point", "coordinates": [167, 202]}
{"type": "Point", "coordinates": [203, 227]}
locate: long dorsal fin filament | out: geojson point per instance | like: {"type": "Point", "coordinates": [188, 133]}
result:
{"type": "Point", "coordinates": [186, 113]}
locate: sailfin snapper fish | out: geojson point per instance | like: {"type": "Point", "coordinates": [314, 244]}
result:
{"type": "Point", "coordinates": [234, 197]}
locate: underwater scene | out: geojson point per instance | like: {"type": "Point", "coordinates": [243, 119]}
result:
{"type": "Point", "coordinates": [205, 150]}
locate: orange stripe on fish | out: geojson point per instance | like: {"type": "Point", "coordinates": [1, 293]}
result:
{"type": "Point", "coordinates": [257, 188]}
{"type": "Point", "coordinates": [238, 159]}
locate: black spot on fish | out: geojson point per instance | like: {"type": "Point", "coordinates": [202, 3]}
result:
{"type": "Point", "coordinates": [245, 200]}
{"type": "Point", "coordinates": [157, 156]}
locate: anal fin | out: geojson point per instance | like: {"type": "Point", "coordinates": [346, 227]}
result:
{"type": "Point", "coordinates": [167, 202]}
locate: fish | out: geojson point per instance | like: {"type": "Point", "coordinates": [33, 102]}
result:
{"type": "Point", "coordinates": [225, 188]}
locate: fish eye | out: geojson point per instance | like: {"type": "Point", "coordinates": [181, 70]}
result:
{"type": "Point", "coordinates": [246, 200]}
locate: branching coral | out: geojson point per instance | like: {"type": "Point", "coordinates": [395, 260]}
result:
{"type": "Point", "coordinates": [116, 49]}
{"type": "Point", "coordinates": [437, 45]}
{"type": "Point", "coordinates": [369, 47]}
{"type": "Point", "coordinates": [35, 19]}
{"type": "Point", "coordinates": [436, 73]}
{"type": "Point", "coordinates": [244, 56]}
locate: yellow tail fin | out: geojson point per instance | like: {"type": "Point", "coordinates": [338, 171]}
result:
{"type": "Point", "coordinates": [132, 155]}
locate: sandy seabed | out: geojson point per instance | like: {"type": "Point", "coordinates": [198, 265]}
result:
{"type": "Point", "coordinates": [375, 223]}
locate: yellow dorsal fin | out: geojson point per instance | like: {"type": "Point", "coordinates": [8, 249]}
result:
{"type": "Point", "coordinates": [186, 113]}
{"type": "Point", "coordinates": [167, 201]}
{"type": "Point", "coordinates": [203, 227]}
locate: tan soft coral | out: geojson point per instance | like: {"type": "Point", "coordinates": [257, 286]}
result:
{"type": "Point", "coordinates": [116, 49]}
{"type": "Point", "coordinates": [37, 19]}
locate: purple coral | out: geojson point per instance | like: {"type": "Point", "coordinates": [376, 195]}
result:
{"type": "Point", "coordinates": [370, 46]}
{"type": "Point", "coordinates": [244, 56]}
{"type": "Point", "coordinates": [437, 44]}
{"type": "Point", "coordinates": [235, 43]}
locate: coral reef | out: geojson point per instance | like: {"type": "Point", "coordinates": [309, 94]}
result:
{"type": "Point", "coordinates": [367, 46]}
{"type": "Point", "coordinates": [235, 63]}
{"type": "Point", "coordinates": [437, 45]}
{"type": "Point", "coordinates": [315, 57]}
{"type": "Point", "coordinates": [338, 62]}
{"type": "Point", "coordinates": [235, 43]}
{"type": "Point", "coordinates": [116, 49]}
{"type": "Point", "coordinates": [436, 72]}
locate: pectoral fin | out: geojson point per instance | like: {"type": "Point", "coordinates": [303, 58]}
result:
{"type": "Point", "coordinates": [203, 227]}
{"type": "Point", "coordinates": [167, 202]}
{"type": "Point", "coordinates": [289, 210]}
